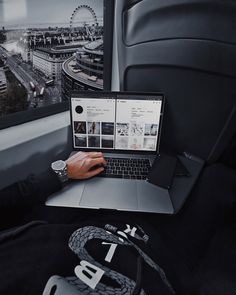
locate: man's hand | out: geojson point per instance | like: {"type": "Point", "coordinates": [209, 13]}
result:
{"type": "Point", "coordinates": [85, 165]}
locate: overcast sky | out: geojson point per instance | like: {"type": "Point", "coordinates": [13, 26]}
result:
{"type": "Point", "coordinates": [20, 12]}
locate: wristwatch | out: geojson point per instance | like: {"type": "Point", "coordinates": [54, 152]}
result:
{"type": "Point", "coordinates": [60, 168]}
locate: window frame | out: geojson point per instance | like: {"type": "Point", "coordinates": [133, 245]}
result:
{"type": "Point", "coordinates": [18, 118]}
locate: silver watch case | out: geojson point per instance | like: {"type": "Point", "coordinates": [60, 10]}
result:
{"type": "Point", "coordinates": [60, 168]}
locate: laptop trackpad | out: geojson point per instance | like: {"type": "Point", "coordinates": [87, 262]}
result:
{"type": "Point", "coordinates": [110, 193]}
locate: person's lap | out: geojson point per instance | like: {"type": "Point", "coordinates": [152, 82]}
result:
{"type": "Point", "coordinates": [185, 237]}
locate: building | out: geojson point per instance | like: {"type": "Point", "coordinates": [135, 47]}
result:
{"type": "Point", "coordinates": [31, 40]}
{"type": "Point", "coordinates": [3, 82]}
{"type": "Point", "coordinates": [49, 61]}
{"type": "Point", "coordinates": [84, 71]}
{"type": "Point", "coordinates": [91, 60]}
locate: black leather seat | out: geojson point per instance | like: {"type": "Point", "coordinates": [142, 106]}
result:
{"type": "Point", "coordinates": [186, 49]}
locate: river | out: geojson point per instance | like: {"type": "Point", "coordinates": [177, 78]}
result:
{"type": "Point", "coordinates": [13, 47]}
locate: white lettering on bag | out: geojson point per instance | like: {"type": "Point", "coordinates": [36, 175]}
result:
{"type": "Point", "coordinates": [111, 251]}
{"type": "Point", "coordinates": [121, 233]}
{"type": "Point", "coordinates": [89, 273]}
{"type": "Point", "coordinates": [130, 230]}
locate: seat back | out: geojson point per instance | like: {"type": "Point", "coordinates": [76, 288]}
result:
{"type": "Point", "coordinates": [187, 50]}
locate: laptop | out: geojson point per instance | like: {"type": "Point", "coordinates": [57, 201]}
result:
{"type": "Point", "coordinates": [126, 127]}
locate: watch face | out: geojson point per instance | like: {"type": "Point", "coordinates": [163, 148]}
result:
{"type": "Point", "coordinates": [58, 165]}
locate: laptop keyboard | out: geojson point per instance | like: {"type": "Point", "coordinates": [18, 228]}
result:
{"type": "Point", "coordinates": [126, 168]}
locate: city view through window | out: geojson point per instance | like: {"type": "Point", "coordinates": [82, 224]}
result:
{"type": "Point", "coordinates": [48, 49]}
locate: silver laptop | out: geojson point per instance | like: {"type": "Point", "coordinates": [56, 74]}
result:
{"type": "Point", "coordinates": [126, 127]}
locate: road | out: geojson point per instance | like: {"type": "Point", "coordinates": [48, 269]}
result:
{"type": "Point", "coordinates": [25, 74]}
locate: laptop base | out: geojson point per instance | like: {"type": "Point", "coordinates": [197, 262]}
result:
{"type": "Point", "coordinates": [129, 195]}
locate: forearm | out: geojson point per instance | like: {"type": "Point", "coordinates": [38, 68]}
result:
{"type": "Point", "coordinates": [31, 191]}
{"type": "Point", "coordinates": [16, 200]}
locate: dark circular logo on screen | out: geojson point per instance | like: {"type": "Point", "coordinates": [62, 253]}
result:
{"type": "Point", "coordinates": [79, 110]}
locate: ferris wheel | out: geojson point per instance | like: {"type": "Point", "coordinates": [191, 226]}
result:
{"type": "Point", "coordinates": [90, 28]}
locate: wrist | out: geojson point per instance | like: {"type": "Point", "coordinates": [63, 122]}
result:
{"type": "Point", "coordinates": [60, 169]}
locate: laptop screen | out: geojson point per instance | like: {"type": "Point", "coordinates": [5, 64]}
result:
{"type": "Point", "coordinates": [119, 121]}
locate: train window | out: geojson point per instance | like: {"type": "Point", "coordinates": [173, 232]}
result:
{"type": "Point", "coordinates": [48, 49]}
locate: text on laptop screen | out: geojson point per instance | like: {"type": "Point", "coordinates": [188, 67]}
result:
{"type": "Point", "coordinates": [121, 124]}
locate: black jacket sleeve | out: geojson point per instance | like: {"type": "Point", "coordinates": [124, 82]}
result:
{"type": "Point", "coordinates": [31, 191]}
